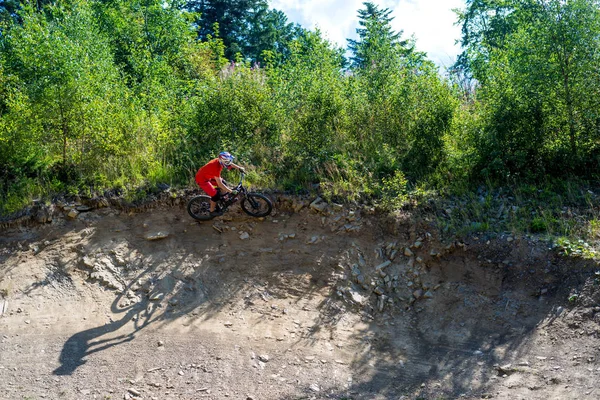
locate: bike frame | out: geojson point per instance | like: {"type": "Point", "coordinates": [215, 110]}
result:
{"type": "Point", "coordinates": [224, 204]}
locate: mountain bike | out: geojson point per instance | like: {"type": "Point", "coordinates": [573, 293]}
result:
{"type": "Point", "coordinates": [254, 204]}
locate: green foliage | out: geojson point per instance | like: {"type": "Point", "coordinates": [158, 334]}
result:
{"type": "Point", "coordinates": [248, 27]}
{"type": "Point", "coordinates": [91, 96]}
{"type": "Point", "coordinates": [307, 92]}
{"type": "Point", "coordinates": [395, 191]}
{"type": "Point", "coordinates": [533, 61]}
{"type": "Point", "coordinates": [575, 248]}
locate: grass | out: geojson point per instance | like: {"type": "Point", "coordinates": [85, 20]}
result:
{"type": "Point", "coordinates": [564, 213]}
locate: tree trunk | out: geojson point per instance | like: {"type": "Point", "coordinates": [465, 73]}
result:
{"type": "Point", "coordinates": [571, 116]}
{"type": "Point", "coordinates": [65, 133]}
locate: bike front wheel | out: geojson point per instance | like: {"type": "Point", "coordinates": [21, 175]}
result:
{"type": "Point", "coordinates": [257, 205]}
{"type": "Point", "coordinates": [199, 208]}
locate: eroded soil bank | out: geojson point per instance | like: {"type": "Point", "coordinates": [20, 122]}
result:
{"type": "Point", "coordinates": [305, 304]}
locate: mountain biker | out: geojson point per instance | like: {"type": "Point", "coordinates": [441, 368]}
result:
{"type": "Point", "coordinates": [209, 178]}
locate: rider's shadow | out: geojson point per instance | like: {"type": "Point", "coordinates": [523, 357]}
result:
{"type": "Point", "coordinates": [85, 343]}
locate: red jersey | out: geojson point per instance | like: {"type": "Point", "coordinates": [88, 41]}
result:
{"type": "Point", "coordinates": [211, 170]}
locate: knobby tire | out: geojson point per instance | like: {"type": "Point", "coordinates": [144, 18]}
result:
{"type": "Point", "coordinates": [199, 208]}
{"type": "Point", "coordinates": [257, 205]}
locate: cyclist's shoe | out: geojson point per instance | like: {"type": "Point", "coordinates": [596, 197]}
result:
{"type": "Point", "coordinates": [216, 213]}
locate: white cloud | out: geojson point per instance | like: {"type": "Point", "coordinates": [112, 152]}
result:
{"type": "Point", "coordinates": [430, 21]}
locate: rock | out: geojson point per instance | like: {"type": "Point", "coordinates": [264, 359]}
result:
{"type": "Point", "coordinates": [351, 216]}
{"type": "Point", "coordinates": [160, 343]}
{"type": "Point", "coordinates": [316, 201]}
{"type": "Point", "coordinates": [361, 261]}
{"type": "Point", "coordinates": [318, 205]}
{"type": "Point", "coordinates": [383, 265]}
{"type": "Point", "coordinates": [244, 235]}
{"type": "Point", "coordinates": [393, 254]}
{"type": "Point", "coordinates": [42, 214]}
{"type": "Point", "coordinates": [524, 364]}
{"type": "Point", "coordinates": [107, 279]}
{"type": "Point", "coordinates": [360, 279]}
{"type": "Point", "coordinates": [73, 214]}
{"type": "Point", "coordinates": [378, 291]}
{"type": "Point", "coordinates": [417, 244]}
{"type": "Point", "coordinates": [263, 358]}
{"type": "Point", "coordinates": [297, 206]}
{"type": "Point", "coordinates": [88, 262]}
{"type": "Point", "coordinates": [315, 388]}
{"type": "Point", "coordinates": [315, 239]}
{"type": "Point", "coordinates": [381, 303]}
{"type": "Point", "coordinates": [157, 297]}
{"type": "Point", "coordinates": [408, 252]}
{"type": "Point", "coordinates": [134, 392]}
{"type": "Point", "coordinates": [428, 295]}
{"type": "Point", "coordinates": [355, 270]}
{"type": "Point", "coordinates": [418, 294]}
{"type": "Point", "coordinates": [157, 236]}
{"type": "Point", "coordinates": [419, 260]}
{"type": "Point", "coordinates": [505, 369]}
{"type": "Point", "coordinates": [357, 297]}
{"type": "Point", "coordinates": [83, 208]}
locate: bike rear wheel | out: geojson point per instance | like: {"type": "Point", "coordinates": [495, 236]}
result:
{"type": "Point", "coordinates": [257, 205]}
{"type": "Point", "coordinates": [199, 208]}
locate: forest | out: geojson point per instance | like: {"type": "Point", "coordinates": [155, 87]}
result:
{"type": "Point", "coordinates": [125, 95]}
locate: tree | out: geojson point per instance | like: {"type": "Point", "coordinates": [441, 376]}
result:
{"type": "Point", "coordinates": [270, 31]}
{"type": "Point", "coordinates": [535, 63]}
{"type": "Point", "coordinates": [485, 26]}
{"type": "Point", "coordinates": [377, 43]}
{"type": "Point", "coordinates": [65, 69]}
{"type": "Point", "coordinates": [247, 27]}
{"type": "Point", "coordinates": [233, 19]}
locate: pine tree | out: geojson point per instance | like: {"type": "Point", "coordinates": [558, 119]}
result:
{"type": "Point", "coordinates": [376, 39]}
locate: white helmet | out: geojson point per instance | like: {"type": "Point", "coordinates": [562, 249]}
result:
{"type": "Point", "coordinates": [225, 158]}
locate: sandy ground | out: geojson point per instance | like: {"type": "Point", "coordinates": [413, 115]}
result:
{"type": "Point", "coordinates": [306, 307]}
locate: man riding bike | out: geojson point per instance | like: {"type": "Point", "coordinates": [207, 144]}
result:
{"type": "Point", "coordinates": [209, 178]}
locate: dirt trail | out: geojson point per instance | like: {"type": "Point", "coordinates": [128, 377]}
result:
{"type": "Point", "coordinates": [335, 304]}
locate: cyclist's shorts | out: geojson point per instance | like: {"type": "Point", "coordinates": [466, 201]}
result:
{"type": "Point", "coordinates": [209, 187]}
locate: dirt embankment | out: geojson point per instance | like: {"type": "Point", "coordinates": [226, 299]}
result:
{"type": "Point", "coordinates": [328, 302]}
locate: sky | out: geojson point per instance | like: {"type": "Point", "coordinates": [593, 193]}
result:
{"type": "Point", "coordinates": [430, 21]}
